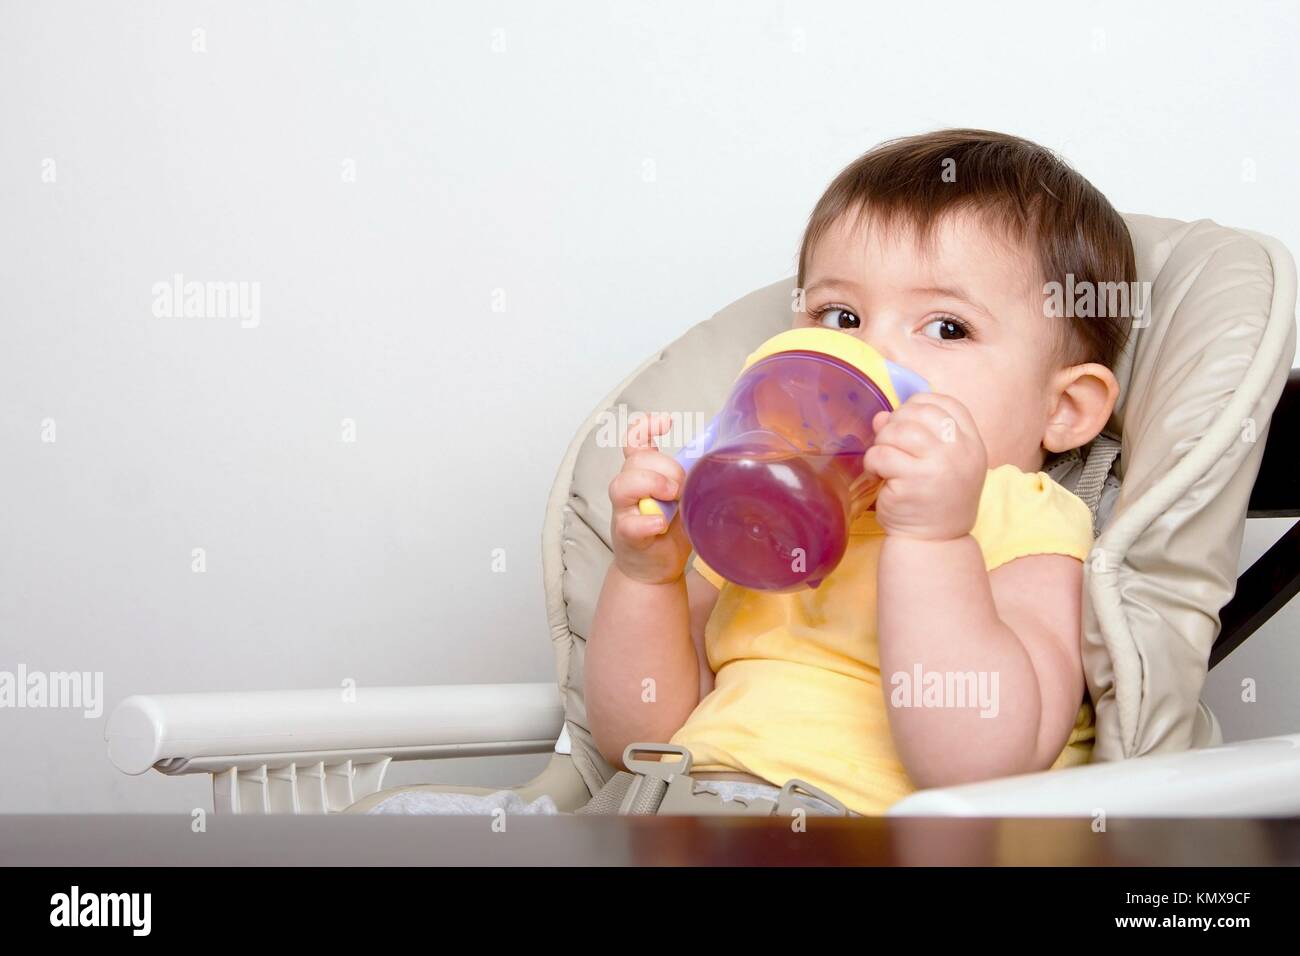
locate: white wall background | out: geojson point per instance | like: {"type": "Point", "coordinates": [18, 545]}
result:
{"type": "Point", "coordinates": [475, 170]}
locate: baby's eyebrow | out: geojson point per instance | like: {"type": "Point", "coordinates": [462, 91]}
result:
{"type": "Point", "coordinates": [831, 284]}
{"type": "Point", "coordinates": [955, 292]}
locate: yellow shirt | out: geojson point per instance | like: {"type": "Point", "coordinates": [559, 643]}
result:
{"type": "Point", "coordinates": [798, 690]}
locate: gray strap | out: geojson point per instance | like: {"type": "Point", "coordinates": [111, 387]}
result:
{"type": "Point", "coordinates": [1059, 467]}
{"type": "Point", "coordinates": [648, 795]}
{"type": "Point", "coordinates": [609, 797]}
{"type": "Point", "coordinates": [1101, 456]}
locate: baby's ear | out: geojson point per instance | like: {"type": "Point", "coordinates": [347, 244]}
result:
{"type": "Point", "coordinates": [1083, 396]}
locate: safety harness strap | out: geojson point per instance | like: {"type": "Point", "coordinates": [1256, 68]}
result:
{"type": "Point", "coordinates": [661, 787]}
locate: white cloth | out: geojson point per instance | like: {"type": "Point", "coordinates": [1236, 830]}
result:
{"type": "Point", "coordinates": [428, 802]}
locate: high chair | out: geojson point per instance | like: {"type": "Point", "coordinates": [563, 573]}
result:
{"type": "Point", "coordinates": [1203, 436]}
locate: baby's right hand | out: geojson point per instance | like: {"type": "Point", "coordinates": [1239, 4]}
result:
{"type": "Point", "coordinates": [644, 549]}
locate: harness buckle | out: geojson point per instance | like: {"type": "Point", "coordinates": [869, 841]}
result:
{"type": "Point", "coordinates": [666, 787]}
{"type": "Point", "coordinates": [787, 803]}
{"type": "Point", "coordinates": [663, 787]}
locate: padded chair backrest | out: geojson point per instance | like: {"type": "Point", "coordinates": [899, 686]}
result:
{"type": "Point", "coordinates": [1199, 379]}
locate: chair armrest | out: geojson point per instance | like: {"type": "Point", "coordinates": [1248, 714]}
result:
{"type": "Point", "coordinates": [1255, 778]}
{"type": "Point", "coordinates": [211, 733]}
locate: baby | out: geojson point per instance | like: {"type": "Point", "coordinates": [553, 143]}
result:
{"type": "Point", "coordinates": [938, 250]}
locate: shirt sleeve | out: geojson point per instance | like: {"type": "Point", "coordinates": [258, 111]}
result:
{"type": "Point", "coordinates": [1082, 740]}
{"type": "Point", "coordinates": [706, 572]}
{"type": "Point", "coordinates": [1024, 513]}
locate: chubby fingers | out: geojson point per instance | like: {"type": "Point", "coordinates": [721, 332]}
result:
{"type": "Point", "coordinates": [921, 419]}
{"type": "Point", "coordinates": [638, 530]}
{"type": "Point", "coordinates": [907, 435]}
{"type": "Point", "coordinates": [642, 478]}
{"type": "Point", "coordinates": [947, 413]}
{"type": "Point", "coordinates": [625, 493]}
{"type": "Point", "coordinates": [887, 461]}
{"type": "Point", "coordinates": [642, 432]}
{"type": "Point", "coordinates": [647, 473]}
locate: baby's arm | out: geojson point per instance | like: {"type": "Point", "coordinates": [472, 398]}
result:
{"type": "Point", "coordinates": [646, 669]}
{"type": "Point", "coordinates": [646, 631]}
{"type": "Point", "coordinates": [940, 611]}
{"type": "Point", "coordinates": [1017, 628]}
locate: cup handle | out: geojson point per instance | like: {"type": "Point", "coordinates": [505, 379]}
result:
{"type": "Point", "coordinates": [906, 382]}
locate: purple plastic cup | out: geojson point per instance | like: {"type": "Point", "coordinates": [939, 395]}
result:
{"type": "Point", "coordinates": [774, 482]}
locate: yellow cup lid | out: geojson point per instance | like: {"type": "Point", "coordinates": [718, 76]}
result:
{"type": "Point", "coordinates": [846, 348]}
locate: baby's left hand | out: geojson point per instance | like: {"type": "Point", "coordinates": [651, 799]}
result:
{"type": "Point", "coordinates": [933, 463]}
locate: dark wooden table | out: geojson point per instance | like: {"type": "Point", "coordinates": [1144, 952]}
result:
{"type": "Point", "coordinates": [167, 840]}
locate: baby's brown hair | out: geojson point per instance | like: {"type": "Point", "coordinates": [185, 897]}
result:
{"type": "Point", "coordinates": [1019, 187]}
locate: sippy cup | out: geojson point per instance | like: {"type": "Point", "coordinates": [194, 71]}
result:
{"type": "Point", "coordinates": [775, 479]}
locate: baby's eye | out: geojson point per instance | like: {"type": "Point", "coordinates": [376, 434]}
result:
{"type": "Point", "coordinates": [948, 328]}
{"type": "Point", "coordinates": [834, 317]}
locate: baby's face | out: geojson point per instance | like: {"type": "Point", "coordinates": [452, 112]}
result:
{"type": "Point", "coordinates": [967, 317]}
